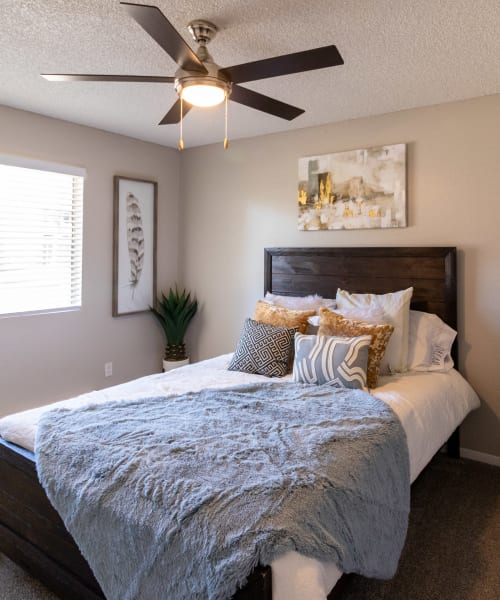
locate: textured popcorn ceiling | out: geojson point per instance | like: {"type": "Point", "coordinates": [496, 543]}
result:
{"type": "Point", "coordinates": [398, 54]}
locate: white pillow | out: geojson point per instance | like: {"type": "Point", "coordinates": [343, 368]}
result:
{"type": "Point", "coordinates": [311, 302]}
{"type": "Point", "coordinates": [430, 343]}
{"type": "Point", "coordinates": [396, 308]}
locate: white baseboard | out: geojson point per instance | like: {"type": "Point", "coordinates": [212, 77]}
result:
{"type": "Point", "coordinates": [490, 459]}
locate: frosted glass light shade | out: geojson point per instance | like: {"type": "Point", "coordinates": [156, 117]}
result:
{"type": "Point", "coordinates": [203, 95]}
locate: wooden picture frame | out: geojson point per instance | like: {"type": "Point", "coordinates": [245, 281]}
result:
{"type": "Point", "coordinates": [134, 245]}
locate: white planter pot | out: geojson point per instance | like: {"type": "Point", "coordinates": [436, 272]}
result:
{"type": "Point", "coordinates": [168, 365]}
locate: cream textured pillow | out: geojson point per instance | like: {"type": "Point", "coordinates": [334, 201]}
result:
{"type": "Point", "coordinates": [331, 323]}
{"type": "Point", "coordinates": [282, 317]}
{"type": "Point", "coordinates": [396, 307]}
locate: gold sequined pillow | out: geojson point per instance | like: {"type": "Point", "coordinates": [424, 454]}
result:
{"type": "Point", "coordinates": [282, 317]}
{"type": "Point", "coordinates": [331, 323]}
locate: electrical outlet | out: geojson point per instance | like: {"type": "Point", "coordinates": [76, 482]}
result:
{"type": "Point", "coordinates": [108, 369]}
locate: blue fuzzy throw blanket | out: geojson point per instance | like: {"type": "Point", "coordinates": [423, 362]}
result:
{"type": "Point", "coordinates": [181, 497]}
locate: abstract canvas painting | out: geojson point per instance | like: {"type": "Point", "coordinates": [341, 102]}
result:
{"type": "Point", "coordinates": [134, 245]}
{"type": "Point", "coordinates": [357, 189]}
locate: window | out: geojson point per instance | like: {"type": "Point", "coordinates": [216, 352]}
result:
{"type": "Point", "coordinates": [41, 208]}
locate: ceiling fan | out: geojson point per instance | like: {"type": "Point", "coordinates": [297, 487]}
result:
{"type": "Point", "coordinates": [199, 81]}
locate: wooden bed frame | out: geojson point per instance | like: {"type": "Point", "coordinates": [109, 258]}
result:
{"type": "Point", "coordinates": [32, 533]}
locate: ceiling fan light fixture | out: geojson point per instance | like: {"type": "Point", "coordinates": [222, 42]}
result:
{"type": "Point", "coordinates": [203, 95]}
{"type": "Point", "coordinates": [202, 91]}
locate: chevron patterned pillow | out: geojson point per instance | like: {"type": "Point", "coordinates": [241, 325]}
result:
{"type": "Point", "coordinates": [263, 349]}
{"type": "Point", "coordinates": [336, 361]}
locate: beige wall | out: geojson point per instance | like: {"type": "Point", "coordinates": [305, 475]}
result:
{"type": "Point", "coordinates": [237, 202]}
{"type": "Point", "coordinates": [54, 356]}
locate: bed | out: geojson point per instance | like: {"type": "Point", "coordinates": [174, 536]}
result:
{"type": "Point", "coordinates": [31, 532]}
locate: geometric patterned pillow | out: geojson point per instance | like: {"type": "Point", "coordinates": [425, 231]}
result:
{"type": "Point", "coordinates": [336, 361]}
{"type": "Point", "coordinates": [331, 323]}
{"type": "Point", "coordinates": [263, 349]}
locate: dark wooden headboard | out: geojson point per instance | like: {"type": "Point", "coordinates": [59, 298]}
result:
{"type": "Point", "coordinates": [430, 270]}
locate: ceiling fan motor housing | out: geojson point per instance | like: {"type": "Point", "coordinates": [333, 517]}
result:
{"type": "Point", "coordinates": [202, 32]}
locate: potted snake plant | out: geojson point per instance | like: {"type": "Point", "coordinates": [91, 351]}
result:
{"type": "Point", "coordinates": [174, 312]}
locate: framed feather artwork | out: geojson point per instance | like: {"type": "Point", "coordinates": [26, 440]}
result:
{"type": "Point", "coordinates": [134, 245]}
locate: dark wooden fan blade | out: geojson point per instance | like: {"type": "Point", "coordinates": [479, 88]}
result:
{"type": "Point", "coordinates": [154, 22]}
{"type": "Point", "coordinates": [174, 114]}
{"type": "Point", "coordinates": [264, 103]}
{"type": "Point", "coordinates": [319, 58]}
{"type": "Point", "coordinates": [127, 78]}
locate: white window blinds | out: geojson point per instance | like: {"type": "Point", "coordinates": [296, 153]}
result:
{"type": "Point", "coordinates": [41, 208]}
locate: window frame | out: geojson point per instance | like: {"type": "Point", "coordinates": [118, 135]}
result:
{"type": "Point", "coordinates": [63, 169]}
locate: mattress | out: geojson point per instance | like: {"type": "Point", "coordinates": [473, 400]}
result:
{"type": "Point", "coordinates": [430, 406]}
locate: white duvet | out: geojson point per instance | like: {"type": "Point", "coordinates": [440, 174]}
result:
{"type": "Point", "coordinates": [429, 405]}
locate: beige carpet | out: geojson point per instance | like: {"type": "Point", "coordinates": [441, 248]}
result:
{"type": "Point", "coordinates": [452, 551]}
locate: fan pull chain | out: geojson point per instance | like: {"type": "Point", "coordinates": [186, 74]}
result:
{"type": "Point", "coordinates": [181, 141]}
{"type": "Point", "coordinates": [226, 142]}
